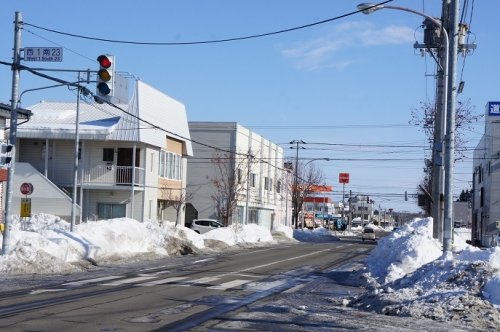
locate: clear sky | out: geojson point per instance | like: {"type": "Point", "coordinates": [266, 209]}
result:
{"type": "Point", "coordinates": [346, 87]}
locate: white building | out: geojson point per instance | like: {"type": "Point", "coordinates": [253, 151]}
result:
{"type": "Point", "coordinates": [486, 180]}
{"type": "Point", "coordinates": [131, 158]}
{"type": "Point", "coordinates": [258, 180]}
{"type": "Point", "coordinates": [361, 209]}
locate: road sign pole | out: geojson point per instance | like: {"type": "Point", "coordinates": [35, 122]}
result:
{"type": "Point", "coordinates": [12, 131]}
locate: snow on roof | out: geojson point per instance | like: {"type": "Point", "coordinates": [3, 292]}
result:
{"type": "Point", "coordinates": [163, 114]}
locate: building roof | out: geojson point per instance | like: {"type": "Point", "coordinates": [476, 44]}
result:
{"type": "Point", "coordinates": [21, 112]}
{"type": "Point", "coordinates": [162, 116]}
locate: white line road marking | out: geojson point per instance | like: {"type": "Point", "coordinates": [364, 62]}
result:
{"type": "Point", "coordinates": [161, 281]}
{"type": "Point", "coordinates": [263, 286]}
{"type": "Point", "coordinates": [204, 280]}
{"type": "Point", "coordinates": [294, 289]}
{"type": "Point", "coordinates": [47, 290]}
{"type": "Point", "coordinates": [284, 260]}
{"type": "Point", "coordinates": [128, 281]}
{"type": "Point", "coordinates": [89, 281]}
{"type": "Point", "coordinates": [200, 281]}
{"type": "Point", "coordinates": [229, 284]}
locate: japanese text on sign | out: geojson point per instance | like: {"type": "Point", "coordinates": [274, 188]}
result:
{"type": "Point", "coordinates": [344, 178]}
{"type": "Point", "coordinates": [494, 108]}
{"type": "Point", "coordinates": [47, 54]}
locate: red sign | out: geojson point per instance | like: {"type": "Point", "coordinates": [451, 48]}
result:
{"type": "Point", "coordinates": [26, 188]}
{"type": "Point", "coordinates": [343, 177]}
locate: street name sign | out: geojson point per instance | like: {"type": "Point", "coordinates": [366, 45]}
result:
{"type": "Point", "coordinates": [46, 54]}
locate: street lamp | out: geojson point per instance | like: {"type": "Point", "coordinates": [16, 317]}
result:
{"type": "Point", "coordinates": [448, 110]}
{"type": "Point", "coordinates": [310, 161]}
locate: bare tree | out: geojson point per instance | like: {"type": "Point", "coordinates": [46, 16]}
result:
{"type": "Point", "coordinates": [424, 117]}
{"type": "Point", "coordinates": [232, 172]}
{"type": "Point", "coordinates": [307, 176]}
{"type": "Point", "coordinates": [176, 198]}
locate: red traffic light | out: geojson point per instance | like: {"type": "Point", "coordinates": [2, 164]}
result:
{"type": "Point", "coordinates": [104, 61]}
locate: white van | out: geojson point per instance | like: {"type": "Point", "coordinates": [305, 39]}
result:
{"type": "Point", "coordinates": [368, 234]}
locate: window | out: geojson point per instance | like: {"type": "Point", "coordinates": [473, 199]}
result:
{"type": "Point", "coordinates": [108, 155]}
{"type": "Point", "coordinates": [481, 197]}
{"type": "Point", "coordinates": [253, 178]}
{"type": "Point", "coordinates": [170, 165]}
{"type": "Point", "coordinates": [239, 175]}
{"type": "Point", "coordinates": [110, 210]}
{"type": "Point", "coordinates": [268, 183]}
{"type": "Point", "coordinates": [253, 216]}
{"type": "Point", "coordinates": [278, 187]}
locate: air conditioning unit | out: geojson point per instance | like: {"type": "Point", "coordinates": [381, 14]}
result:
{"type": "Point", "coordinates": [498, 224]}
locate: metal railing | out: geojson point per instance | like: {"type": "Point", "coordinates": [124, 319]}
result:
{"type": "Point", "coordinates": [112, 174]}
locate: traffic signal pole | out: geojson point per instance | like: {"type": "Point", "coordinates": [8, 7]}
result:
{"type": "Point", "coordinates": [12, 131]}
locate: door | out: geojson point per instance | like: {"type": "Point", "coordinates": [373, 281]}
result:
{"type": "Point", "coordinates": [125, 166]}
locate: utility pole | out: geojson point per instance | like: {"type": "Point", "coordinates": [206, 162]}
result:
{"type": "Point", "coordinates": [12, 130]}
{"type": "Point", "coordinates": [450, 125]}
{"type": "Point", "coordinates": [295, 191]}
{"type": "Point", "coordinates": [249, 166]}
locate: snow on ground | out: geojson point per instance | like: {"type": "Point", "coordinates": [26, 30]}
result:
{"type": "Point", "coordinates": [410, 276]}
{"type": "Point", "coordinates": [407, 273]}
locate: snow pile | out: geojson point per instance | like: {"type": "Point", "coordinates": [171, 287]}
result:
{"type": "Point", "coordinates": [404, 251]}
{"type": "Point", "coordinates": [410, 276]}
{"type": "Point", "coordinates": [44, 243]}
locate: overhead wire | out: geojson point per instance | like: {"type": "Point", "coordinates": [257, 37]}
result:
{"type": "Point", "coordinates": [213, 41]}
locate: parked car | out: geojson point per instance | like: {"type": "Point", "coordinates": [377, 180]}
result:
{"type": "Point", "coordinates": [202, 226]}
{"type": "Point", "coordinates": [368, 234]}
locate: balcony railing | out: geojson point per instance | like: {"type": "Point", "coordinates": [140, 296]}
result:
{"type": "Point", "coordinates": [113, 175]}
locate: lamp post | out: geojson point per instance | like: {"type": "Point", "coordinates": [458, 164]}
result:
{"type": "Point", "coordinates": [448, 113]}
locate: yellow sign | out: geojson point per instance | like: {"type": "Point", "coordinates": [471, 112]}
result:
{"type": "Point", "coordinates": [25, 207]}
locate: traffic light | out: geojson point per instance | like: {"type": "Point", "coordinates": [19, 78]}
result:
{"type": "Point", "coordinates": [105, 75]}
{"type": "Point", "coordinates": [5, 157]}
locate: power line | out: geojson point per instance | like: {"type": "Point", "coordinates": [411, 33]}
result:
{"type": "Point", "coordinates": [213, 41]}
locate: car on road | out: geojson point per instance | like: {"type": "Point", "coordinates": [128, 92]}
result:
{"type": "Point", "coordinates": [202, 226]}
{"type": "Point", "coordinates": [368, 234]}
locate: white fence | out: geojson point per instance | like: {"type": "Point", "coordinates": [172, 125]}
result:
{"type": "Point", "coordinates": [111, 174]}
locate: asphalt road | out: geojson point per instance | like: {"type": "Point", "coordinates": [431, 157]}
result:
{"type": "Point", "coordinates": [286, 287]}
{"type": "Point", "coordinates": [178, 295]}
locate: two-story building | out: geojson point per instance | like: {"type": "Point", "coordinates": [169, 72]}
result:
{"type": "Point", "coordinates": [131, 158]}
{"type": "Point", "coordinates": [230, 159]}
{"type": "Point", "coordinates": [486, 181]}
{"type": "Point", "coordinates": [361, 209]}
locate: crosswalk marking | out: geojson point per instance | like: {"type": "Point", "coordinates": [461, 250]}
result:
{"type": "Point", "coordinates": [46, 290]}
{"type": "Point", "coordinates": [161, 281]}
{"type": "Point", "coordinates": [230, 284]}
{"type": "Point", "coordinates": [89, 281]}
{"type": "Point", "coordinates": [128, 281]}
{"type": "Point", "coordinates": [145, 280]}
{"type": "Point", "coordinates": [204, 280]}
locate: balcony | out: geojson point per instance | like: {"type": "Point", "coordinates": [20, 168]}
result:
{"type": "Point", "coordinates": [111, 175]}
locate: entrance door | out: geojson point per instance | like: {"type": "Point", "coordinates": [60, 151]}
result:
{"type": "Point", "coordinates": [125, 166]}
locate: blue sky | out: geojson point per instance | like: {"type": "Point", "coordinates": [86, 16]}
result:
{"type": "Point", "coordinates": [349, 84]}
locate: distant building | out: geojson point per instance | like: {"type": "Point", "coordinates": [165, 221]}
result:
{"type": "Point", "coordinates": [361, 209]}
{"type": "Point", "coordinates": [220, 152]}
{"type": "Point", "coordinates": [462, 214]}
{"type": "Point", "coordinates": [486, 180]}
